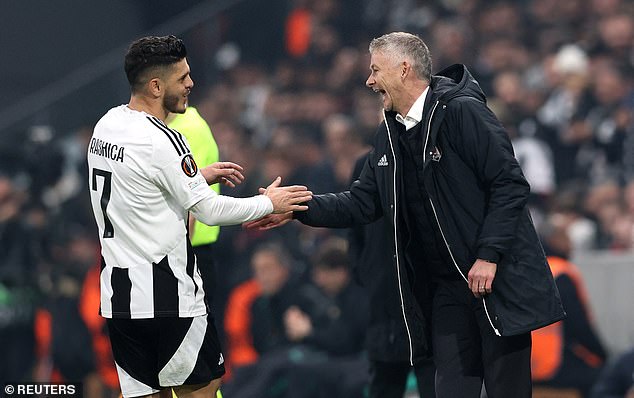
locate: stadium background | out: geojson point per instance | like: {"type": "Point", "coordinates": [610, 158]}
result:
{"type": "Point", "coordinates": [272, 78]}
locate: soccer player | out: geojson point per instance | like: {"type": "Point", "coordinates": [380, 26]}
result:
{"type": "Point", "coordinates": [143, 182]}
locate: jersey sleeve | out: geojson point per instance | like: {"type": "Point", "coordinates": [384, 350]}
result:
{"type": "Point", "coordinates": [179, 177]}
{"type": "Point", "coordinates": [226, 210]}
{"type": "Point", "coordinates": [176, 172]}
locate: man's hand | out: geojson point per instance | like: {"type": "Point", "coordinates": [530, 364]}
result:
{"type": "Point", "coordinates": [227, 173]}
{"type": "Point", "coordinates": [269, 222]}
{"type": "Point", "coordinates": [287, 199]}
{"type": "Point", "coordinates": [298, 324]}
{"type": "Point", "coordinates": [481, 277]}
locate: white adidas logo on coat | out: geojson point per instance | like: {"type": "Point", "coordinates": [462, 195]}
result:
{"type": "Point", "coordinates": [382, 161]}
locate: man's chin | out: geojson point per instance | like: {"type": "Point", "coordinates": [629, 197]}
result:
{"type": "Point", "coordinates": [387, 105]}
{"type": "Point", "coordinates": [180, 110]}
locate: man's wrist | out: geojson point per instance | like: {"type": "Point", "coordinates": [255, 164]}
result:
{"type": "Point", "coordinates": [488, 255]}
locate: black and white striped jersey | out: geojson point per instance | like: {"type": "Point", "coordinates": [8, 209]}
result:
{"type": "Point", "coordinates": [143, 180]}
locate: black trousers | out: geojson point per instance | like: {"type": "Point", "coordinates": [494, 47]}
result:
{"type": "Point", "coordinates": [467, 351]}
{"type": "Point", "coordinates": [388, 379]}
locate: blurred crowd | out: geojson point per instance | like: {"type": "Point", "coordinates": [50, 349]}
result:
{"type": "Point", "coordinates": [283, 91]}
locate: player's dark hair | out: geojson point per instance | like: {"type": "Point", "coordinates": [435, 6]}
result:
{"type": "Point", "coordinates": [151, 52]}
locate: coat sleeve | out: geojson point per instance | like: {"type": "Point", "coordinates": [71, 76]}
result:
{"type": "Point", "coordinates": [486, 148]}
{"type": "Point", "coordinates": [359, 205]}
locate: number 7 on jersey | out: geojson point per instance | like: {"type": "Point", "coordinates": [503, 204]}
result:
{"type": "Point", "coordinates": [108, 231]}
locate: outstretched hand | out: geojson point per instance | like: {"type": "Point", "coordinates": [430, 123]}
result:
{"type": "Point", "coordinates": [287, 199]}
{"type": "Point", "coordinates": [269, 222]}
{"type": "Point", "coordinates": [227, 173]}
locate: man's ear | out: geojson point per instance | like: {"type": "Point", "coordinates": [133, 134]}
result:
{"type": "Point", "coordinates": [155, 87]}
{"type": "Point", "coordinates": [405, 69]}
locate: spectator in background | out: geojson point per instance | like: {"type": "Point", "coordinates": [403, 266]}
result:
{"type": "Point", "coordinates": [452, 41]}
{"type": "Point", "coordinates": [329, 324]}
{"type": "Point", "coordinates": [108, 385]}
{"type": "Point", "coordinates": [20, 238]}
{"type": "Point", "coordinates": [603, 202]}
{"type": "Point", "coordinates": [616, 32]}
{"type": "Point", "coordinates": [344, 144]}
{"type": "Point", "coordinates": [64, 343]}
{"type": "Point", "coordinates": [44, 159]}
{"type": "Point", "coordinates": [610, 120]}
{"type": "Point", "coordinates": [386, 338]}
{"type": "Point", "coordinates": [567, 354]}
{"type": "Point", "coordinates": [513, 103]}
{"type": "Point", "coordinates": [309, 159]}
{"type": "Point", "coordinates": [238, 326]}
{"type": "Point", "coordinates": [563, 112]}
{"type": "Point", "coordinates": [617, 378]}
{"type": "Point", "coordinates": [254, 322]}
{"type": "Point", "coordinates": [273, 269]}
{"type": "Point", "coordinates": [581, 229]}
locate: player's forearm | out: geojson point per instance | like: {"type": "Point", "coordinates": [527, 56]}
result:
{"type": "Point", "coordinates": [226, 210]}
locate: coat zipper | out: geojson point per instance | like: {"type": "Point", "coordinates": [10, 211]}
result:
{"type": "Point", "coordinates": [398, 268]}
{"type": "Point", "coordinates": [486, 310]}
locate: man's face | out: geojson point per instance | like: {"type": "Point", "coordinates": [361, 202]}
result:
{"type": "Point", "coordinates": [178, 85]}
{"type": "Point", "coordinates": [331, 280]}
{"type": "Point", "coordinates": [269, 272]}
{"type": "Point", "coordinates": [385, 79]}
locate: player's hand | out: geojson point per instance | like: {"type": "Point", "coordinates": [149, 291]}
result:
{"type": "Point", "coordinates": [227, 173]}
{"type": "Point", "coordinates": [481, 277]}
{"type": "Point", "coordinates": [269, 222]}
{"type": "Point", "coordinates": [289, 198]}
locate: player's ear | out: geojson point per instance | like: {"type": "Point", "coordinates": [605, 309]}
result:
{"type": "Point", "coordinates": [155, 87]}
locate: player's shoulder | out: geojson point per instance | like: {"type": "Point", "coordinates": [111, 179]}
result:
{"type": "Point", "coordinates": [142, 129]}
{"type": "Point", "coordinates": [167, 137]}
{"type": "Point", "coordinates": [122, 119]}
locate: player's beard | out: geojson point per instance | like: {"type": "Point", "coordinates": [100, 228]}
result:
{"type": "Point", "coordinates": [172, 103]}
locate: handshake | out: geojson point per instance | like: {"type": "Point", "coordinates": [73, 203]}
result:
{"type": "Point", "coordinates": [285, 200]}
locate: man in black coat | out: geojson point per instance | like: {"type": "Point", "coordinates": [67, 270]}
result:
{"type": "Point", "coordinates": [473, 278]}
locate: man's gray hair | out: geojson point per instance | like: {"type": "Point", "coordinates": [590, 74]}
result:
{"type": "Point", "coordinates": [404, 46]}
